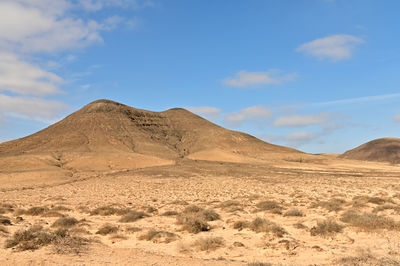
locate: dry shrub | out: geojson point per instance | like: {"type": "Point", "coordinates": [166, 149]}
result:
{"type": "Point", "coordinates": [170, 213]}
{"type": "Point", "coordinates": [30, 239]}
{"type": "Point", "coordinates": [180, 202]}
{"type": "Point", "coordinates": [331, 205]}
{"type": "Point", "coordinates": [193, 223]}
{"type": "Point", "coordinates": [133, 229]}
{"type": "Point", "coordinates": [149, 209]}
{"type": "Point", "coordinates": [231, 206]}
{"type": "Point", "coordinates": [259, 264]}
{"type": "Point", "coordinates": [386, 207]}
{"type": "Point", "coordinates": [259, 225]}
{"type": "Point", "coordinates": [60, 208]}
{"type": "Point", "coordinates": [299, 226]}
{"type": "Point", "coordinates": [4, 220]}
{"type": "Point", "coordinates": [65, 222]}
{"type": "Point", "coordinates": [210, 215]}
{"type": "Point", "coordinates": [207, 215]}
{"type": "Point", "coordinates": [3, 230]}
{"type": "Point", "coordinates": [34, 211]}
{"type": "Point", "coordinates": [36, 237]}
{"type": "Point", "coordinates": [369, 221]}
{"type": "Point", "coordinates": [78, 231]}
{"type": "Point", "coordinates": [271, 206]}
{"type": "Point", "coordinates": [107, 229]}
{"type": "Point", "coordinates": [5, 208]}
{"type": "Point", "coordinates": [52, 213]}
{"type": "Point", "coordinates": [209, 243]}
{"type": "Point", "coordinates": [109, 210]}
{"type": "Point", "coordinates": [132, 216]}
{"type": "Point", "coordinates": [366, 258]}
{"type": "Point", "coordinates": [70, 244]}
{"type": "Point", "coordinates": [240, 225]}
{"type": "Point", "coordinates": [294, 212]}
{"type": "Point", "coordinates": [118, 237]}
{"type": "Point", "coordinates": [326, 228]}
{"type": "Point", "coordinates": [376, 200]}
{"type": "Point", "coordinates": [192, 209]}
{"type": "Point", "coordinates": [158, 236]}
{"type": "Point", "coordinates": [361, 201]}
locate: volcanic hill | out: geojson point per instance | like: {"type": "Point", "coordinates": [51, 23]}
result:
{"type": "Point", "coordinates": [380, 150]}
{"type": "Point", "coordinates": [109, 135]}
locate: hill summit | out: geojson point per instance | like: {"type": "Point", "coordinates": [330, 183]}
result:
{"type": "Point", "coordinates": [380, 150]}
{"type": "Point", "coordinates": [105, 129]}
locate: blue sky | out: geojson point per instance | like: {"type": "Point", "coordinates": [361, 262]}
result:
{"type": "Point", "coordinates": [317, 75]}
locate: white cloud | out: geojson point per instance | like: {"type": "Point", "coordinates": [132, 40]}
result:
{"type": "Point", "coordinates": [299, 138]}
{"type": "Point", "coordinates": [96, 5]}
{"type": "Point", "coordinates": [32, 27]}
{"type": "Point", "coordinates": [31, 107]}
{"type": "Point", "coordinates": [207, 111]}
{"type": "Point", "coordinates": [301, 120]}
{"type": "Point", "coordinates": [245, 79]}
{"type": "Point", "coordinates": [335, 47]}
{"type": "Point", "coordinates": [253, 113]}
{"type": "Point", "coordinates": [396, 118]}
{"type": "Point", "coordinates": [20, 77]}
{"type": "Point", "coordinates": [294, 139]}
{"type": "Point", "coordinates": [365, 99]}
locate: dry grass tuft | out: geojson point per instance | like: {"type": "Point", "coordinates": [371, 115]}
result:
{"type": "Point", "coordinates": [209, 243]}
{"type": "Point", "coordinates": [52, 213]}
{"type": "Point", "coordinates": [192, 209]}
{"type": "Point", "coordinates": [207, 215]}
{"type": "Point", "coordinates": [231, 206]}
{"type": "Point", "coordinates": [294, 212]}
{"type": "Point", "coordinates": [259, 225]}
{"type": "Point", "coordinates": [34, 211]}
{"type": "Point", "coordinates": [5, 208]}
{"type": "Point", "coordinates": [118, 237]}
{"type": "Point", "coordinates": [133, 229]}
{"type": "Point", "coordinates": [193, 223]}
{"type": "Point", "coordinates": [271, 206]}
{"type": "Point", "coordinates": [386, 207]}
{"type": "Point", "coordinates": [60, 208]}
{"type": "Point", "coordinates": [240, 225]}
{"type": "Point", "coordinates": [159, 236]}
{"type": "Point", "coordinates": [259, 264]}
{"type": "Point", "coordinates": [361, 201]}
{"type": "Point", "coordinates": [107, 229]}
{"type": "Point", "coordinates": [65, 222]}
{"type": "Point", "coordinates": [3, 230]}
{"type": "Point", "coordinates": [132, 216]}
{"type": "Point", "coordinates": [326, 228]}
{"type": "Point", "coordinates": [36, 237]}
{"type": "Point", "coordinates": [300, 226]}
{"type": "Point", "coordinates": [109, 210]}
{"type": "Point", "coordinates": [369, 221]}
{"type": "Point", "coordinates": [170, 213]}
{"type": "Point", "coordinates": [366, 258]}
{"type": "Point", "coordinates": [331, 205]}
{"type": "Point", "coordinates": [4, 220]}
{"type": "Point", "coordinates": [70, 244]}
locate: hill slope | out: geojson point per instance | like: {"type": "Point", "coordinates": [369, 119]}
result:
{"type": "Point", "coordinates": [105, 129]}
{"type": "Point", "coordinates": [380, 150]}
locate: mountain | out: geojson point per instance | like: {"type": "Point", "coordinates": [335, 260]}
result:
{"type": "Point", "coordinates": [107, 134]}
{"type": "Point", "coordinates": [380, 150]}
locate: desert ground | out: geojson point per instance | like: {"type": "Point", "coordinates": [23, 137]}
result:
{"type": "Point", "coordinates": [199, 212]}
{"type": "Point", "coordinates": [115, 185]}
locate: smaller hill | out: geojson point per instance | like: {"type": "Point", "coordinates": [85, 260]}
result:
{"type": "Point", "coordinates": [379, 150]}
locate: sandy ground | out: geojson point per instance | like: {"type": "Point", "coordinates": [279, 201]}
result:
{"type": "Point", "coordinates": [311, 191]}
